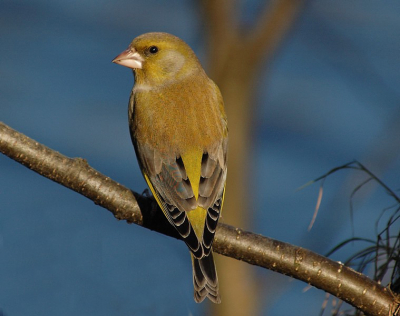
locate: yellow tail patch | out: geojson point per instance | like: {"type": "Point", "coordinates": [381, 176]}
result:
{"type": "Point", "coordinates": [197, 218]}
{"type": "Point", "coordinates": [192, 162]}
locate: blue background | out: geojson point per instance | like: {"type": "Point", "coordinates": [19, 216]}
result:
{"type": "Point", "coordinates": [330, 95]}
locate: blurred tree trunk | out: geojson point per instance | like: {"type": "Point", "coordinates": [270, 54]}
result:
{"type": "Point", "coordinates": [235, 58]}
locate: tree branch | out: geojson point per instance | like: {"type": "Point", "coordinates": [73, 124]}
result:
{"type": "Point", "coordinates": [341, 281]}
{"type": "Point", "coordinates": [271, 29]}
{"type": "Point", "coordinates": [223, 39]}
{"type": "Point", "coordinates": [236, 55]}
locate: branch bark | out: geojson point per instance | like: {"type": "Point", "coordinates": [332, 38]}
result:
{"type": "Point", "coordinates": [323, 273]}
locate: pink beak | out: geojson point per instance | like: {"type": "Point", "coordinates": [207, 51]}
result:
{"type": "Point", "coordinates": [129, 58]}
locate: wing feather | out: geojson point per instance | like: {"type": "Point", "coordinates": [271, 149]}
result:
{"type": "Point", "coordinates": [171, 186]}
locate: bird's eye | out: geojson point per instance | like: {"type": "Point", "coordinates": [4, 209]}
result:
{"type": "Point", "coordinates": [153, 49]}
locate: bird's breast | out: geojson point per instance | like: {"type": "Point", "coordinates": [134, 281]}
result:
{"type": "Point", "coordinates": [178, 118]}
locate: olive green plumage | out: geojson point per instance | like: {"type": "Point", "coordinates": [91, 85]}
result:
{"type": "Point", "coordinates": [179, 130]}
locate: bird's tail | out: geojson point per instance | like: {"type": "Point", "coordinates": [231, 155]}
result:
{"type": "Point", "coordinates": [205, 279]}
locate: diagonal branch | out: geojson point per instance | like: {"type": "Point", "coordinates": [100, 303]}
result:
{"type": "Point", "coordinates": [230, 46]}
{"type": "Point", "coordinates": [75, 173]}
{"type": "Point", "coordinates": [271, 29]}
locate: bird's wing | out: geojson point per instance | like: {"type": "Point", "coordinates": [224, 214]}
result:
{"type": "Point", "coordinates": [174, 186]}
{"type": "Point", "coordinates": [171, 187]}
{"type": "Point", "coordinates": [212, 190]}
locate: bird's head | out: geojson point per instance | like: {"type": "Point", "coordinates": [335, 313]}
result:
{"type": "Point", "coordinates": [157, 58]}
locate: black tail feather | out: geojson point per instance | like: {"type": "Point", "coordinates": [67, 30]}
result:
{"type": "Point", "coordinates": [205, 279]}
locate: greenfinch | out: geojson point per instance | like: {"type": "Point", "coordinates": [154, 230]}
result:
{"type": "Point", "coordinates": [179, 130]}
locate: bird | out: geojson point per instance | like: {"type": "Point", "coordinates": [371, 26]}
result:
{"type": "Point", "coordinates": [179, 130]}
